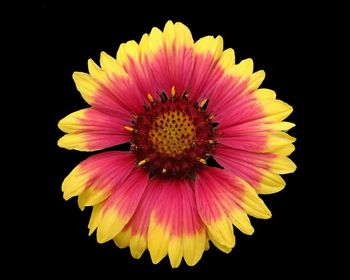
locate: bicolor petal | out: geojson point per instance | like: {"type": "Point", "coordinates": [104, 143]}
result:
{"type": "Point", "coordinates": [118, 209]}
{"type": "Point", "coordinates": [95, 177]}
{"type": "Point", "coordinates": [175, 227]}
{"type": "Point", "coordinates": [259, 170]}
{"type": "Point", "coordinates": [224, 199]}
{"type": "Point", "coordinates": [91, 130]}
{"type": "Point", "coordinates": [135, 233]}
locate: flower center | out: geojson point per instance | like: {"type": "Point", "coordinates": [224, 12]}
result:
{"type": "Point", "coordinates": [173, 136]}
{"type": "Point", "coordinates": [172, 133]}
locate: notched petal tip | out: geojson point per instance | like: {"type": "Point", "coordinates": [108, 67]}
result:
{"type": "Point", "coordinates": [283, 165]}
{"type": "Point", "coordinates": [73, 142]}
{"type": "Point", "coordinates": [256, 79]}
{"type": "Point", "coordinates": [61, 143]}
{"type": "Point", "coordinates": [86, 85]}
{"type": "Point", "coordinates": [227, 60]}
{"type": "Point", "coordinates": [253, 204]}
{"type": "Point", "coordinates": [137, 246]}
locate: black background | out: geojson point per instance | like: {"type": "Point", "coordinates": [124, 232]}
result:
{"type": "Point", "coordinates": [281, 40]}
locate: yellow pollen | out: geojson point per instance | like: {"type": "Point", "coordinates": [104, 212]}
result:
{"type": "Point", "coordinates": [211, 116]}
{"type": "Point", "coordinates": [201, 105]}
{"type": "Point", "coordinates": [203, 161]}
{"type": "Point", "coordinates": [172, 133]}
{"type": "Point", "coordinates": [142, 162]}
{"type": "Point", "coordinates": [173, 91]}
{"type": "Point", "coordinates": [150, 98]}
{"type": "Point", "coordinates": [128, 128]}
{"type": "Point", "coordinates": [164, 171]}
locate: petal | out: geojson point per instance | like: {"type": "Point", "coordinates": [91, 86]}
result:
{"type": "Point", "coordinates": [109, 88]}
{"type": "Point", "coordinates": [96, 72]}
{"type": "Point", "coordinates": [282, 126]}
{"type": "Point", "coordinates": [95, 218]}
{"type": "Point", "coordinates": [138, 67]}
{"type": "Point", "coordinates": [106, 88]}
{"type": "Point", "coordinates": [224, 199]}
{"type": "Point", "coordinates": [277, 141]}
{"type": "Point", "coordinates": [121, 205]}
{"type": "Point", "coordinates": [213, 207]}
{"type": "Point", "coordinates": [257, 139]}
{"type": "Point", "coordinates": [253, 122]}
{"type": "Point", "coordinates": [207, 72]}
{"type": "Point", "coordinates": [252, 204]}
{"type": "Point", "coordinates": [111, 67]}
{"type": "Point", "coordinates": [127, 54]}
{"type": "Point", "coordinates": [169, 59]}
{"type": "Point", "coordinates": [177, 35]}
{"type": "Point", "coordinates": [236, 99]}
{"type": "Point", "coordinates": [282, 165]}
{"type": "Point", "coordinates": [209, 46]}
{"type": "Point", "coordinates": [91, 196]}
{"type": "Point", "coordinates": [97, 176]}
{"type": "Point", "coordinates": [86, 86]}
{"type": "Point", "coordinates": [227, 93]}
{"type": "Point", "coordinates": [233, 82]}
{"type": "Point", "coordinates": [91, 130]}
{"type": "Point", "coordinates": [260, 170]}
{"type": "Point", "coordinates": [135, 232]}
{"type": "Point", "coordinates": [166, 60]}
{"type": "Point", "coordinates": [256, 79]}
{"type": "Point", "coordinates": [175, 227]}
{"type": "Point", "coordinates": [227, 60]}
{"type": "Point", "coordinates": [243, 70]}
{"type": "Point", "coordinates": [152, 43]}
{"type": "Point", "coordinates": [274, 110]}
{"type": "Point", "coordinates": [120, 95]}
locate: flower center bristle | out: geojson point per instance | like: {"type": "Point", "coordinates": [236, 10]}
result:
{"type": "Point", "coordinates": [173, 136]}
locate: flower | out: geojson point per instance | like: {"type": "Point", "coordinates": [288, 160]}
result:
{"type": "Point", "coordinates": [179, 103]}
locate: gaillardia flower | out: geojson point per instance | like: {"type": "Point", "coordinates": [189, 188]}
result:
{"type": "Point", "coordinates": [180, 104]}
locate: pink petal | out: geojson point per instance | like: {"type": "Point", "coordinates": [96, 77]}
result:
{"type": "Point", "coordinates": [91, 130]}
{"type": "Point", "coordinates": [205, 77]}
{"type": "Point", "coordinates": [120, 95]}
{"type": "Point", "coordinates": [175, 207]}
{"type": "Point", "coordinates": [217, 192]}
{"type": "Point", "coordinates": [224, 199]}
{"type": "Point", "coordinates": [260, 170]}
{"type": "Point", "coordinates": [102, 172]}
{"type": "Point", "coordinates": [135, 232]}
{"type": "Point", "coordinates": [175, 226]}
{"type": "Point", "coordinates": [121, 205]}
{"type": "Point", "coordinates": [245, 164]}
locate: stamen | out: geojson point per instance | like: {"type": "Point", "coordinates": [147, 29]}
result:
{"type": "Point", "coordinates": [150, 98]}
{"type": "Point", "coordinates": [203, 161]}
{"type": "Point", "coordinates": [128, 128]}
{"type": "Point", "coordinates": [142, 162]}
{"type": "Point", "coordinates": [203, 103]}
{"type": "Point", "coordinates": [211, 116]}
{"type": "Point", "coordinates": [163, 170]}
{"type": "Point", "coordinates": [173, 91]}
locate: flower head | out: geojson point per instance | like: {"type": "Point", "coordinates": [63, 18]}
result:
{"type": "Point", "coordinates": [179, 104]}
